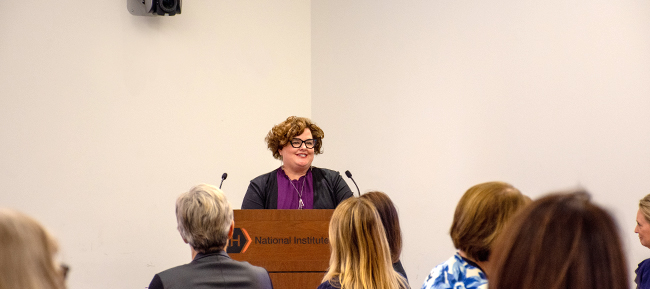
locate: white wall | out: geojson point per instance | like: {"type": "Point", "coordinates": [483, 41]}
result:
{"type": "Point", "coordinates": [420, 99]}
{"type": "Point", "coordinates": [432, 97]}
{"type": "Point", "coordinates": [105, 118]}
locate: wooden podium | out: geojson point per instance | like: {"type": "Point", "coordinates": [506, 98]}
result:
{"type": "Point", "coordinates": [293, 245]}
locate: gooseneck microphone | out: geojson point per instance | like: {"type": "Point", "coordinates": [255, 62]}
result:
{"type": "Point", "coordinates": [223, 177]}
{"type": "Point", "coordinates": [349, 174]}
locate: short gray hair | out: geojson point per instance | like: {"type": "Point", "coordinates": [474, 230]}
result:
{"type": "Point", "coordinates": [204, 216]}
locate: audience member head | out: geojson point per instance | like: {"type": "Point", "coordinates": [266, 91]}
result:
{"type": "Point", "coordinates": [390, 221]}
{"type": "Point", "coordinates": [27, 254]}
{"type": "Point", "coordinates": [204, 218]}
{"type": "Point", "coordinates": [282, 134]}
{"type": "Point", "coordinates": [643, 221]}
{"type": "Point", "coordinates": [360, 252]}
{"type": "Point", "coordinates": [480, 216]}
{"type": "Point", "coordinates": [560, 241]}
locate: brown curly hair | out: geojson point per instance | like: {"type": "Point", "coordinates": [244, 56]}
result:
{"type": "Point", "coordinates": [285, 131]}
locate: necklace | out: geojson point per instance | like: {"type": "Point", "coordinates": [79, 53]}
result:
{"type": "Point", "coordinates": [300, 203]}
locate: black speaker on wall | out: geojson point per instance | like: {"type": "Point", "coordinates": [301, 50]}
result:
{"type": "Point", "coordinates": [154, 7]}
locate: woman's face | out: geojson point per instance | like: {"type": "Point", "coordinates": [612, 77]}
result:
{"type": "Point", "coordinates": [643, 229]}
{"type": "Point", "coordinates": [298, 158]}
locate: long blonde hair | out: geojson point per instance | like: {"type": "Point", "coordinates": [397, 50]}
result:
{"type": "Point", "coordinates": [360, 252]}
{"type": "Point", "coordinates": [26, 254]}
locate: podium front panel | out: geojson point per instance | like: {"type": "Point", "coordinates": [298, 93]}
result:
{"type": "Point", "coordinates": [309, 280]}
{"type": "Point", "coordinates": [282, 241]}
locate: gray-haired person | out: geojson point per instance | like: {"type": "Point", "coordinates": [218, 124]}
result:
{"type": "Point", "coordinates": [205, 222]}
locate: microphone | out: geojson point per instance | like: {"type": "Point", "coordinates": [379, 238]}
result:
{"type": "Point", "coordinates": [349, 174]}
{"type": "Point", "coordinates": [223, 177]}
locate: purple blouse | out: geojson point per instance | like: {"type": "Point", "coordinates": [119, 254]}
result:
{"type": "Point", "coordinates": [288, 191]}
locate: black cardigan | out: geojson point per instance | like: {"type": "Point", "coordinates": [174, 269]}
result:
{"type": "Point", "coordinates": [329, 190]}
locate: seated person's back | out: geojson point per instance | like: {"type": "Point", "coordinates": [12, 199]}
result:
{"type": "Point", "coordinates": [360, 255]}
{"type": "Point", "coordinates": [561, 241]}
{"type": "Point", "coordinates": [205, 221]}
{"type": "Point", "coordinates": [480, 216]}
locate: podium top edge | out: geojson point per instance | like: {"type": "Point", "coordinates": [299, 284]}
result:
{"type": "Point", "coordinates": [279, 215]}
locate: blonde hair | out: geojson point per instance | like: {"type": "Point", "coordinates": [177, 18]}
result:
{"type": "Point", "coordinates": [360, 252]}
{"type": "Point", "coordinates": [644, 206]}
{"type": "Point", "coordinates": [27, 254]}
{"type": "Point", "coordinates": [480, 216]}
{"type": "Point", "coordinates": [204, 216]}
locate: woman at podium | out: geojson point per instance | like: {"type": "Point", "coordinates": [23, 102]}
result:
{"type": "Point", "coordinates": [296, 184]}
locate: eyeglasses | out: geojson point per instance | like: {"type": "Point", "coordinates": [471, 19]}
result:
{"type": "Point", "coordinates": [309, 143]}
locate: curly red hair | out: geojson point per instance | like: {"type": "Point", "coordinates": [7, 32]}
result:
{"type": "Point", "coordinates": [284, 132]}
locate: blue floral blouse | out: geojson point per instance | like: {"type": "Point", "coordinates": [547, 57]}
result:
{"type": "Point", "coordinates": [456, 273]}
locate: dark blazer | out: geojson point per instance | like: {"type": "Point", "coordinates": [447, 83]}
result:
{"type": "Point", "coordinates": [397, 266]}
{"type": "Point", "coordinates": [642, 279]}
{"type": "Point", "coordinates": [211, 271]}
{"type": "Point", "coordinates": [329, 190]}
